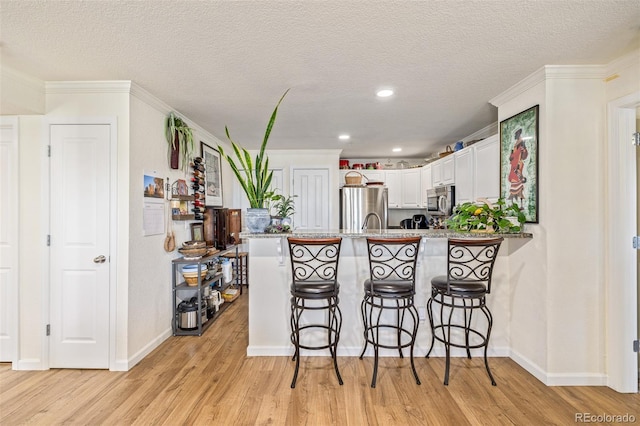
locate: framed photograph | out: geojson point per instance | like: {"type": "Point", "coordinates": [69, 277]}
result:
{"type": "Point", "coordinates": [197, 232]}
{"type": "Point", "coordinates": [213, 176]}
{"type": "Point", "coordinates": [183, 188]}
{"type": "Point", "coordinates": [519, 162]}
{"type": "Point", "coordinates": [153, 186]}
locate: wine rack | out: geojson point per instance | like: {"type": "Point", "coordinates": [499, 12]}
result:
{"type": "Point", "coordinates": [198, 188]}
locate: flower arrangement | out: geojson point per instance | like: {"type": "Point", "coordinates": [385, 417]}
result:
{"type": "Point", "coordinates": [277, 228]}
{"type": "Point", "coordinates": [483, 216]}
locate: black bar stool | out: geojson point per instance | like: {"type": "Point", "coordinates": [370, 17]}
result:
{"type": "Point", "coordinates": [314, 270]}
{"type": "Point", "coordinates": [391, 287]}
{"type": "Point", "coordinates": [468, 281]}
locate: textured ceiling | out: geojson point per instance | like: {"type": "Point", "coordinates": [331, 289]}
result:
{"type": "Point", "coordinates": [227, 62]}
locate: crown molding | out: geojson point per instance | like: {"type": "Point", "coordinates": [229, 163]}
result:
{"type": "Point", "coordinates": [21, 78]}
{"type": "Point", "coordinates": [550, 72]}
{"type": "Point", "coordinates": [485, 132]}
{"type": "Point", "coordinates": [71, 87]}
{"type": "Point", "coordinates": [631, 59]}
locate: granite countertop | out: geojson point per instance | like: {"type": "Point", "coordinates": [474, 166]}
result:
{"type": "Point", "coordinates": [398, 233]}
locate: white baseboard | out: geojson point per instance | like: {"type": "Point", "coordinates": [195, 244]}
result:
{"type": "Point", "coordinates": [28, 364]}
{"type": "Point", "coordinates": [122, 365]}
{"type": "Point", "coordinates": [559, 379]}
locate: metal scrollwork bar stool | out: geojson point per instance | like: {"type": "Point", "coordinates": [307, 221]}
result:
{"type": "Point", "coordinates": [464, 289]}
{"type": "Point", "coordinates": [314, 268]}
{"type": "Point", "coordinates": [391, 288]}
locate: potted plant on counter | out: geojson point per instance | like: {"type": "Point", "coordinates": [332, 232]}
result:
{"type": "Point", "coordinates": [254, 177]}
{"type": "Point", "coordinates": [483, 217]}
{"type": "Point", "coordinates": [285, 208]}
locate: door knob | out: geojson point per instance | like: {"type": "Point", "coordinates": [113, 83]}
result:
{"type": "Point", "coordinates": [99, 259]}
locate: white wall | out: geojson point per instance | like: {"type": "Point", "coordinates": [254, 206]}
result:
{"type": "Point", "coordinates": [32, 244]}
{"type": "Point", "coordinates": [528, 265]}
{"type": "Point", "coordinates": [557, 282]}
{"type": "Point", "coordinates": [149, 289]}
{"type": "Point", "coordinates": [21, 94]}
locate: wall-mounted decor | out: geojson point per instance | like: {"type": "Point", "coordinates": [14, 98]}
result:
{"type": "Point", "coordinates": [213, 176]}
{"type": "Point", "coordinates": [519, 162]}
{"type": "Point", "coordinates": [197, 232]}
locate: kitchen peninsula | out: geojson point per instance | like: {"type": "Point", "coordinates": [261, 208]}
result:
{"type": "Point", "coordinates": [270, 277]}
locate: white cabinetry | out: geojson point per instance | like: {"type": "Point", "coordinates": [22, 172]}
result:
{"type": "Point", "coordinates": [487, 167]}
{"type": "Point", "coordinates": [464, 166]}
{"type": "Point", "coordinates": [410, 188]}
{"type": "Point", "coordinates": [427, 183]}
{"type": "Point", "coordinates": [394, 185]}
{"type": "Point", "coordinates": [443, 171]}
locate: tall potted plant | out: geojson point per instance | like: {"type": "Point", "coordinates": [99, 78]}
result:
{"type": "Point", "coordinates": [180, 140]}
{"type": "Point", "coordinates": [254, 177]}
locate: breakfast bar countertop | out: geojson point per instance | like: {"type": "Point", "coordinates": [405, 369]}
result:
{"type": "Point", "coordinates": [382, 233]}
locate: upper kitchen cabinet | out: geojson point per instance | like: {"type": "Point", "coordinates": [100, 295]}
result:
{"type": "Point", "coordinates": [464, 166]}
{"type": "Point", "coordinates": [410, 188]}
{"type": "Point", "coordinates": [477, 171]}
{"type": "Point", "coordinates": [487, 166]}
{"type": "Point", "coordinates": [443, 171]}
{"type": "Point", "coordinates": [394, 185]}
{"type": "Point", "coordinates": [427, 183]}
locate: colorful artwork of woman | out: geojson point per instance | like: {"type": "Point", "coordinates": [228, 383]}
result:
{"type": "Point", "coordinates": [517, 179]}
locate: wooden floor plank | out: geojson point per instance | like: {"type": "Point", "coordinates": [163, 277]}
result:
{"type": "Point", "coordinates": [209, 380]}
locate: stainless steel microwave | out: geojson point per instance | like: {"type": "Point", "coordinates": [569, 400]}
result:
{"type": "Point", "coordinates": [440, 200]}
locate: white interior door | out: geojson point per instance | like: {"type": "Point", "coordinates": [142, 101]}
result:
{"type": "Point", "coordinates": [311, 189]}
{"type": "Point", "coordinates": [79, 312]}
{"type": "Point", "coordinates": [8, 238]}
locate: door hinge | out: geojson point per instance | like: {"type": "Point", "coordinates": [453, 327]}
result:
{"type": "Point", "coordinates": [635, 139]}
{"type": "Point", "coordinates": [48, 240]}
{"type": "Point", "coordinates": [636, 242]}
{"type": "Point", "coordinates": [48, 150]}
{"type": "Point", "coordinates": [48, 329]}
{"type": "Point", "coordinates": [636, 346]}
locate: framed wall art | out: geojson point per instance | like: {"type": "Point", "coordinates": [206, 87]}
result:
{"type": "Point", "coordinates": [197, 232]}
{"type": "Point", "coordinates": [213, 176]}
{"type": "Point", "coordinates": [519, 162]}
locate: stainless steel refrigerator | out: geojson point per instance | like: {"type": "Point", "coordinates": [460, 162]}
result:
{"type": "Point", "coordinates": [360, 203]}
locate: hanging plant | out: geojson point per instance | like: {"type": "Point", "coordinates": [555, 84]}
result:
{"type": "Point", "coordinates": [180, 142]}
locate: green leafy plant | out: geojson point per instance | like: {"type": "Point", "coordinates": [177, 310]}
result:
{"type": "Point", "coordinates": [179, 137]}
{"type": "Point", "coordinates": [254, 177]}
{"type": "Point", "coordinates": [284, 206]}
{"type": "Point", "coordinates": [483, 216]}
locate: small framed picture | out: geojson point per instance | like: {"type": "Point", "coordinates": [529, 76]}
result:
{"type": "Point", "coordinates": [183, 189]}
{"type": "Point", "coordinates": [197, 232]}
{"type": "Point", "coordinates": [213, 176]}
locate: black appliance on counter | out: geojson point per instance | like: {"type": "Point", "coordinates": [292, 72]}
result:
{"type": "Point", "coordinates": [418, 221]}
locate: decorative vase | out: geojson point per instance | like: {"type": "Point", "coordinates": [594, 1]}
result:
{"type": "Point", "coordinates": [286, 221]}
{"type": "Point", "coordinates": [257, 220]}
{"type": "Point", "coordinates": [175, 153]}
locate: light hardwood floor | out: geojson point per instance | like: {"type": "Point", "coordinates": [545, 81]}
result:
{"type": "Point", "coordinates": [209, 380]}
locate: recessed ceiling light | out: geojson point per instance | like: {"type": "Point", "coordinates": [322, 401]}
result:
{"type": "Point", "coordinates": [384, 93]}
{"type": "Point", "coordinates": [344, 137]}
{"type": "Point", "coordinates": [397, 149]}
